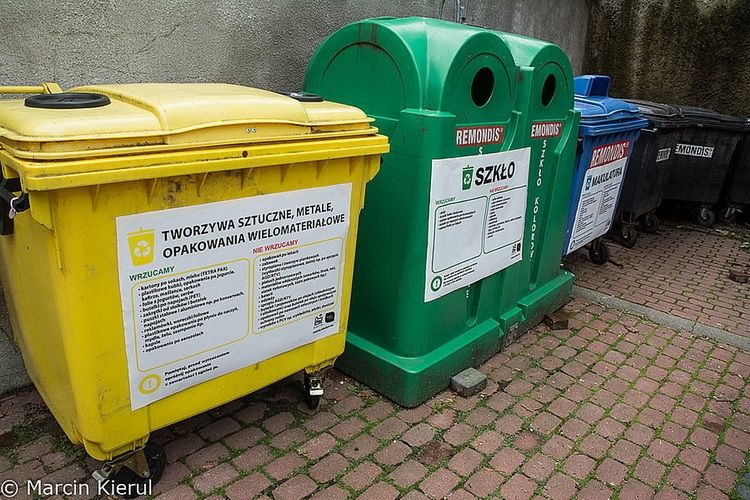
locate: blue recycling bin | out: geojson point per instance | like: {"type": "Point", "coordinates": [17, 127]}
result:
{"type": "Point", "coordinates": [608, 131]}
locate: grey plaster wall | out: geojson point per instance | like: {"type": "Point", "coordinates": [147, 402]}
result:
{"type": "Point", "coordinates": [12, 372]}
{"type": "Point", "coordinates": [263, 44]}
{"type": "Point", "coordinates": [694, 52]}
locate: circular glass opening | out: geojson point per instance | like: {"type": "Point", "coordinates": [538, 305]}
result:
{"type": "Point", "coordinates": [548, 90]}
{"type": "Point", "coordinates": [482, 87]}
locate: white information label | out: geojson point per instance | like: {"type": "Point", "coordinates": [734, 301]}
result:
{"type": "Point", "coordinates": [477, 216]}
{"type": "Point", "coordinates": [694, 150]}
{"type": "Point", "coordinates": [599, 194]}
{"type": "Point", "coordinates": [213, 288]}
{"type": "Point", "coordinates": [663, 154]}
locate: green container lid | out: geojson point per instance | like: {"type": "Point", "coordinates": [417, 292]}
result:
{"type": "Point", "coordinates": [417, 63]}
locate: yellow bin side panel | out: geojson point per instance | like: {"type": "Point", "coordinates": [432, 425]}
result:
{"type": "Point", "coordinates": [63, 284]}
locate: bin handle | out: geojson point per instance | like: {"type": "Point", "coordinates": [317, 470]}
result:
{"type": "Point", "coordinates": [42, 88]}
{"type": "Point", "coordinates": [11, 204]}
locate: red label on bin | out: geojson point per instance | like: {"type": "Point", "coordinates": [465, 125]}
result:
{"type": "Point", "coordinates": [608, 153]}
{"type": "Point", "coordinates": [478, 136]}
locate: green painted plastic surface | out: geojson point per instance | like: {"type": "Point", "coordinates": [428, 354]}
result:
{"type": "Point", "coordinates": [415, 77]}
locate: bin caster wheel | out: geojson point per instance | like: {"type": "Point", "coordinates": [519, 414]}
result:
{"type": "Point", "coordinates": [729, 215]}
{"type": "Point", "coordinates": [156, 460]}
{"type": "Point", "coordinates": [628, 235]}
{"type": "Point", "coordinates": [706, 217]}
{"type": "Point", "coordinates": [313, 390]}
{"type": "Point", "coordinates": [598, 252]}
{"type": "Point", "coordinates": [650, 223]}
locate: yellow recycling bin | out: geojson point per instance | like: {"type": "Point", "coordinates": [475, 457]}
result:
{"type": "Point", "coordinates": [184, 245]}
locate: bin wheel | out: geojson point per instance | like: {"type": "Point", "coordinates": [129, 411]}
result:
{"type": "Point", "coordinates": [598, 252]}
{"type": "Point", "coordinates": [650, 223]}
{"type": "Point", "coordinates": [313, 390]}
{"type": "Point", "coordinates": [628, 235]}
{"type": "Point", "coordinates": [706, 217]}
{"type": "Point", "coordinates": [312, 402]}
{"type": "Point", "coordinates": [156, 459]}
{"type": "Point", "coordinates": [729, 215]}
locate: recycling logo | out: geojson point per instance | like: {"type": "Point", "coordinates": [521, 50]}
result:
{"type": "Point", "coordinates": [466, 177]}
{"type": "Point", "coordinates": [149, 384]}
{"type": "Point", "coordinates": [436, 283]}
{"type": "Point", "coordinates": [141, 245]}
{"type": "Point", "coordinates": [142, 249]}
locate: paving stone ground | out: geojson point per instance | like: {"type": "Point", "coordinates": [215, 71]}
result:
{"type": "Point", "coordinates": [683, 271]}
{"type": "Point", "coordinates": [615, 406]}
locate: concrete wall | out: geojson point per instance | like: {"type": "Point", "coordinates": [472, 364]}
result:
{"type": "Point", "coordinates": [694, 52]}
{"type": "Point", "coordinates": [12, 372]}
{"type": "Point", "coordinates": [262, 44]}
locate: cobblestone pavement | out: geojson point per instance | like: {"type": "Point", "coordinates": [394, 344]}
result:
{"type": "Point", "coordinates": [682, 271]}
{"type": "Point", "coordinates": [615, 406]}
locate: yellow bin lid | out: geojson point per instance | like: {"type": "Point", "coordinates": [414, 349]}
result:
{"type": "Point", "coordinates": [173, 116]}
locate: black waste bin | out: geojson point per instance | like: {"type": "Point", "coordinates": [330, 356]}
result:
{"type": "Point", "coordinates": [738, 188]}
{"type": "Point", "coordinates": [702, 158]}
{"type": "Point", "coordinates": [645, 178]}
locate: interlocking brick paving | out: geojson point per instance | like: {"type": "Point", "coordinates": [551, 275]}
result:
{"type": "Point", "coordinates": [683, 271]}
{"type": "Point", "coordinates": [614, 406]}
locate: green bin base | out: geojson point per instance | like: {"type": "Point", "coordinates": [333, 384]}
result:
{"type": "Point", "coordinates": [410, 381]}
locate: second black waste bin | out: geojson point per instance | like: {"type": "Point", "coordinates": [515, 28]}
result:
{"type": "Point", "coordinates": [738, 188]}
{"type": "Point", "coordinates": [645, 178]}
{"type": "Point", "coordinates": [702, 157]}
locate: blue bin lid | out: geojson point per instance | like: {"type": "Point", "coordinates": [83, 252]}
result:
{"type": "Point", "coordinates": [601, 114]}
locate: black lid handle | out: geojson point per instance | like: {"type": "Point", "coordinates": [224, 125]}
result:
{"type": "Point", "coordinates": [303, 96]}
{"type": "Point", "coordinates": [67, 100]}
